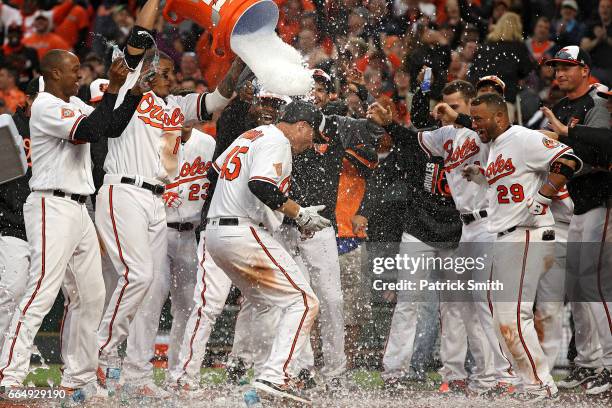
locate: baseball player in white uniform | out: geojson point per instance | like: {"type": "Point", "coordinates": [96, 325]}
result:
{"type": "Point", "coordinates": [524, 171]}
{"type": "Point", "coordinates": [64, 245]}
{"type": "Point", "coordinates": [184, 198]}
{"type": "Point", "coordinates": [247, 206]}
{"type": "Point", "coordinates": [130, 213]}
{"type": "Point", "coordinates": [460, 146]}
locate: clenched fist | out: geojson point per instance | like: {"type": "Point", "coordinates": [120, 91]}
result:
{"type": "Point", "coordinates": [539, 204]}
{"type": "Point", "coordinates": [309, 219]}
{"type": "Point", "coordinates": [474, 173]}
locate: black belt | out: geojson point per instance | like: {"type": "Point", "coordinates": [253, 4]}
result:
{"type": "Point", "coordinates": [506, 232]}
{"type": "Point", "coordinates": [156, 189]}
{"type": "Point", "coordinates": [225, 221]}
{"type": "Point", "coordinates": [228, 221]}
{"type": "Point", "coordinates": [469, 218]}
{"type": "Point", "coordinates": [181, 226]}
{"type": "Point", "coordinates": [74, 197]}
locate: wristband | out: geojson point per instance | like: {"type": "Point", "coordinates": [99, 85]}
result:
{"type": "Point", "coordinates": [215, 101]}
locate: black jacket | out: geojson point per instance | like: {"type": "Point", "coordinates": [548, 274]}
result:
{"type": "Point", "coordinates": [509, 60]}
{"type": "Point", "coordinates": [591, 188]}
{"type": "Point", "coordinates": [14, 193]}
{"type": "Point", "coordinates": [234, 121]}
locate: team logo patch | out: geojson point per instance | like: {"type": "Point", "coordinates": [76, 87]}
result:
{"type": "Point", "coordinates": [550, 143]}
{"type": "Point", "coordinates": [573, 122]}
{"type": "Point", "coordinates": [67, 113]}
{"type": "Point", "coordinates": [278, 167]}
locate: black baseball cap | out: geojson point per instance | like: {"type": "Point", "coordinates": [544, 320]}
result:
{"type": "Point", "coordinates": [571, 55]}
{"type": "Point", "coordinates": [298, 111]}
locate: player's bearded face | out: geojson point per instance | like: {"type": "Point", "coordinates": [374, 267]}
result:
{"type": "Point", "coordinates": [483, 122]}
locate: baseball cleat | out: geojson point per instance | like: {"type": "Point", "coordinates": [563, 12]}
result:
{"type": "Point", "coordinates": [285, 391]}
{"type": "Point", "coordinates": [577, 376]}
{"type": "Point", "coordinates": [501, 389]}
{"type": "Point", "coordinates": [533, 398]}
{"type": "Point", "coordinates": [236, 369]}
{"type": "Point", "coordinates": [453, 386]}
{"type": "Point", "coordinates": [146, 390]}
{"type": "Point", "coordinates": [306, 379]}
{"type": "Point", "coordinates": [101, 376]}
{"type": "Point", "coordinates": [602, 383]}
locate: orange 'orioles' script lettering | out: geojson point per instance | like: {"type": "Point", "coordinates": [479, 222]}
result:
{"type": "Point", "coordinates": [459, 155]}
{"type": "Point", "coordinates": [156, 117]}
{"type": "Point", "coordinates": [499, 168]}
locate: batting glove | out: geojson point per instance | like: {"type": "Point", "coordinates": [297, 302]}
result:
{"type": "Point", "coordinates": [474, 173]}
{"type": "Point", "coordinates": [171, 199]}
{"type": "Point", "coordinates": [310, 221]}
{"type": "Point", "coordinates": [539, 204]}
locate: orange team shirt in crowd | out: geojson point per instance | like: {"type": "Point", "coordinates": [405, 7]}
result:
{"type": "Point", "coordinates": [351, 189]}
{"type": "Point", "coordinates": [45, 42]}
{"type": "Point", "coordinates": [76, 21]}
{"type": "Point", "coordinates": [13, 98]}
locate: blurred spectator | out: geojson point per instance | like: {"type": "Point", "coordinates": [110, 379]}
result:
{"type": "Point", "coordinates": [189, 67]}
{"type": "Point", "coordinates": [9, 16]}
{"type": "Point", "coordinates": [21, 58]}
{"type": "Point", "coordinates": [12, 96]}
{"type": "Point", "coordinates": [289, 20]}
{"type": "Point", "coordinates": [357, 21]}
{"type": "Point", "coordinates": [567, 30]}
{"type": "Point", "coordinates": [505, 55]}
{"type": "Point", "coordinates": [3, 108]}
{"type": "Point", "coordinates": [74, 27]}
{"type": "Point", "coordinates": [435, 52]}
{"type": "Point", "coordinates": [112, 24]}
{"type": "Point", "coordinates": [43, 40]}
{"type": "Point", "coordinates": [598, 42]}
{"type": "Point", "coordinates": [457, 68]}
{"type": "Point", "coordinates": [30, 10]}
{"type": "Point", "coordinates": [540, 43]}
{"type": "Point", "coordinates": [308, 45]}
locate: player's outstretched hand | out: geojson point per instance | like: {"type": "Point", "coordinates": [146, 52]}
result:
{"type": "Point", "coordinates": [380, 115]}
{"type": "Point", "coordinates": [308, 219]}
{"type": "Point", "coordinates": [475, 173]}
{"type": "Point", "coordinates": [117, 74]}
{"type": "Point", "coordinates": [444, 113]}
{"type": "Point", "coordinates": [554, 123]}
{"type": "Point", "coordinates": [538, 205]}
{"type": "Point", "coordinates": [172, 199]}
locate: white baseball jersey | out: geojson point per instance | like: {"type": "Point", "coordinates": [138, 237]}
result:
{"type": "Point", "coordinates": [138, 150]}
{"type": "Point", "coordinates": [57, 162]}
{"type": "Point", "coordinates": [192, 183]}
{"type": "Point", "coordinates": [518, 165]}
{"type": "Point", "coordinates": [263, 153]}
{"type": "Point", "coordinates": [459, 147]}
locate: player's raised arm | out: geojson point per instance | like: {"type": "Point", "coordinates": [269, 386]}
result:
{"type": "Point", "coordinates": [141, 36]}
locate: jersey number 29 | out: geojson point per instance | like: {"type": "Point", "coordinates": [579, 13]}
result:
{"type": "Point", "coordinates": [516, 193]}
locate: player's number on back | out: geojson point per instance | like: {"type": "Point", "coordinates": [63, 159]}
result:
{"type": "Point", "coordinates": [232, 164]}
{"type": "Point", "coordinates": [515, 191]}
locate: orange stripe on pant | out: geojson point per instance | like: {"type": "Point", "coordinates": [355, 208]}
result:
{"type": "Point", "coordinates": [296, 287]}
{"type": "Point", "coordinates": [42, 275]}
{"type": "Point", "coordinates": [125, 275]}
{"type": "Point", "coordinates": [518, 310]}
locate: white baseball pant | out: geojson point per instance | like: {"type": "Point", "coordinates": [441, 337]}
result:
{"type": "Point", "coordinates": [64, 251]}
{"type": "Point", "coordinates": [400, 343]}
{"type": "Point", "coordinates": [590, 255]}
{"type": "Point", "coordinates": [459, 321]}
{"type": "Point", "coordinates": [209, 296]}
{"type": "Point", "coordinates": [178, 278]}
{"type": "Point", "coordinates": [14, 270]}
{"type": "Point", "coordinates": [267, 275]}
{"type": "Point", "coordinates": [520, 260]}
{"type": "Point", "coordinates": [131, 222]}
{"type": "Point", "coordinates": [321, 267]}
{"type": "Point", "coordinates": [548, 317]}
{"type": "Point", "coordinates": [251, 319]}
